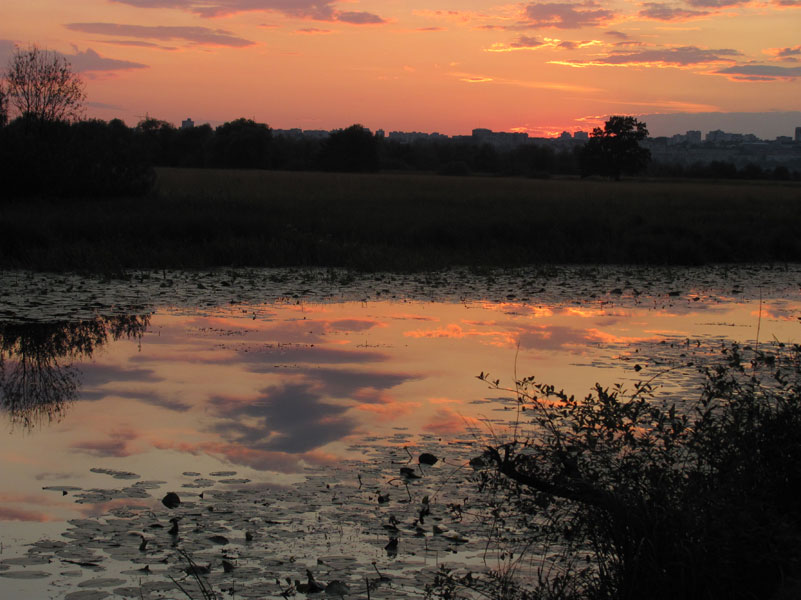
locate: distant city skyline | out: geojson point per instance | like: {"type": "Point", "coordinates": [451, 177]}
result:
{"type": "Point", "coordinates": [767, 126]}
{"type": "Point", "coordinates": [536, 66]}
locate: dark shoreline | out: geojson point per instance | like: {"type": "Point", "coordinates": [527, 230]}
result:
{"type": "Point", "coordinates": [403, 223]}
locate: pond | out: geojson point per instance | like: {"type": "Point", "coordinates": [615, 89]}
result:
{"type": "Point", "coordinates": [280, 405]}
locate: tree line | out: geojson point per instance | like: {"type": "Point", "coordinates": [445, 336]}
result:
{"type": "Point", "coordinates": [49, 149]}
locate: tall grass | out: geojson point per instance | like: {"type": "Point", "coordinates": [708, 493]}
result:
{"type": "Point", "coordinates": [206, 218]}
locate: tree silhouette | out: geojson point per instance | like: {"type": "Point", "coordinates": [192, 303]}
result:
{"type": "Point", "coordinates": [243, 144]}
{"type": "Point", "coordinates": [3, 105]}
{"type": "Point", "coordinates": [37, 379]}
{"type": "Point", "coordinates": [354, 149]}
{"type": "Point", "coordinates": [43, 87]}
{"type": "Point", "coordinates": [615, 149]}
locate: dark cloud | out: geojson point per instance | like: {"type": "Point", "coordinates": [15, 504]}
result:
{"type": "Point", "coordinates": [618, 34]}
{"type": "Point", "coordinates": [566, 15]}
{"type": "Point", "coordinates": [525, 41]}
{"type": "Point", "coordinates": [788, 54]}
{"type": "Point", "coordinates": [87, 61]}
{"type": "Point", "coordinates": [266, 358]}
{"type": "Point", "coordinates": [145, 397]}
{"type": "Point", "coordinates": [556, 337]}
{"type": "Point", "coordinates": [359, 18]}
{"type": "Point", "coordinates": [681, 57]}
{"type": "Point", "coordinates": [760, 72]}
{"type": "Point", "coordinates": [715, 3]}
{"type": "Point", "coordinates": [346, 383]}
{"type": "Point", "coordinates": [93, 375]}
{"type": "Point", "coordinates": [202, 36]}
{"type": "Point", "coordinates": [137, 44]}
{"type": "Point", "coordinates": [316, 9]}
{"type": "Point", "coordinates": [312, 30]}
{"type": "Point", "coordinates": [666, 12]}
{"type": "Point", "coordinates": [116, 445]}
{"type": "Point", "coordinates": [321, 10]}
{"type": "Point", "coordinates": [291, 418]}
{"type": "Point", "coordinates": [431, 29]}
{"type": "Point", "coordinates": [104, 448]}
{"type": "Point", "coordinates": [91, 61]}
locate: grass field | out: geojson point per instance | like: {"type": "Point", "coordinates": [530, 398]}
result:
{"type": "Point", "coordinates": [207, 218]}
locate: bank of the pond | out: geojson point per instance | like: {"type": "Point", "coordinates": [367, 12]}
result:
{"type": "Point", "coordinates": [210, 218]}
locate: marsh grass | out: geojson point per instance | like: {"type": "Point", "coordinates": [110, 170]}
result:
{"type": "Point", "coordinates": [210, 218]}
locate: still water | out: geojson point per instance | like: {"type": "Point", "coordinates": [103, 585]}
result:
{"type": "Point", "coordinates": [286, 385]}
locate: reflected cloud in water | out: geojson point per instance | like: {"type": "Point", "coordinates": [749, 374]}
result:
{"type": "Point", "coordinates": [292, 418]}
{"type": "Point", "coordinates": [117, 445]}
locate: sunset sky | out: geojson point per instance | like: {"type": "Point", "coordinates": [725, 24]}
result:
{"type": "Point", "coordinates": [436, 65]}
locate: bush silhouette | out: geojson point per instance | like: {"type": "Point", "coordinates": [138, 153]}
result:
{"type": "Point", "coordinates": [662, 502]}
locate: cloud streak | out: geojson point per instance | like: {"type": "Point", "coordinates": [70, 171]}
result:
{"type": "Point", "coordinates": [565, 15]}
{"type": "Point", "coordinates": [681, 57]}
{"type": "Point", "coordinates": [792, 53]}
{"type": "Point", "coordinates": [201, 36]}
{"type": "Point", "coordinates": [665, 12]}
{"type": "Point", "coordinates": [87, 61]}
{"type": "Point", "coordinates": [760, 72]}
{"type": "Point", "coordinates": [525, 42]}
{"type": "Point", "coordinates": [320, 10]}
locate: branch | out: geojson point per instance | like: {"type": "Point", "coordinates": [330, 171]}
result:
{"type": "Point", "coordinates": [577, 490]}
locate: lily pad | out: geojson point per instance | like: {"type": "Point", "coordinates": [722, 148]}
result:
{"type": "Point", "coordinates": [87, 595]}
{"type": "Point", "coordinates": [24, 574]}
{"type": "Point", "coordinates": [101, 582]}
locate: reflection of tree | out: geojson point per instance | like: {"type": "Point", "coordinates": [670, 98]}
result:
{"type": "Point", "coordinates": [37, 379]}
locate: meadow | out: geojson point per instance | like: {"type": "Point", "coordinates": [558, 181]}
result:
{"type": "Point", "coordinates": [402, 222]}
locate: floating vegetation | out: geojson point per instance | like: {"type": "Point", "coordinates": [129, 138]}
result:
{"type": "Point", "coordinates": [343, 530]}
{"type": "Point", "coordinates": [116, 474]}
{"type": "Point", "coordinates": [378, 526]}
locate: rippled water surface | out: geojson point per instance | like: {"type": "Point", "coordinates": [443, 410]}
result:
{"type": "Point", "coordinates": [276, 393]}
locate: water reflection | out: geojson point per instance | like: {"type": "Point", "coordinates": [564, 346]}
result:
{"type": "Point", "coordinates": [37, 378]}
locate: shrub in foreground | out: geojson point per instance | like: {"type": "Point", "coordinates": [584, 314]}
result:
{"type": "Point", "coordinates": [630, 498]}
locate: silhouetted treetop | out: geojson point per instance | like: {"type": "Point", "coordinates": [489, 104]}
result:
{"type": "Point", "coordinates": [42, 86]}
{"type": "Point", "coordinates": [615, 149]}
{"type": "Point", "coordinates": [353, 149]}
{"type": "Point", "coordinates": [242, 143]}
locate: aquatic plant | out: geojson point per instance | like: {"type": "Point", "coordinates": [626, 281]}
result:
{"type": "Point", "coordinates": [627, 497]}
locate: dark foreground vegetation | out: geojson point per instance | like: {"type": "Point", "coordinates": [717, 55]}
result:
{"type": "Point", "coordinates": [84, 195]}
{"type": "Point", "coordinates": [208, 218]}
{"type": "Point", "coordinates": [617, 496]}
{"type": "Point", "coordinates": [93, 158]}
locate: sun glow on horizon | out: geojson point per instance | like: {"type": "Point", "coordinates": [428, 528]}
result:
{"type": "Point", "coordinates": [538, 67]}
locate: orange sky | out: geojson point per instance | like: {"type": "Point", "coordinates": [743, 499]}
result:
{"type": "Point", "coordinates": [435, 65]}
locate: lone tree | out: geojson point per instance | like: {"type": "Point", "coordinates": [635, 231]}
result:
{"type": "Point", "coordinates": [42, 86]}
{"type": "Point", "coordinates": [615, 149]}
